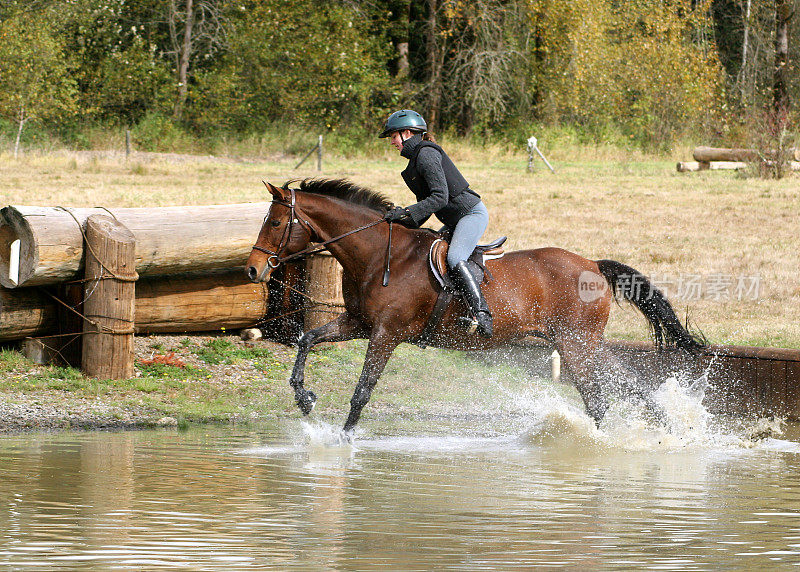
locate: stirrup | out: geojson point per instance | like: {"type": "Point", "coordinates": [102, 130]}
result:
{"type": "Point", "coordinates": [470, 323]}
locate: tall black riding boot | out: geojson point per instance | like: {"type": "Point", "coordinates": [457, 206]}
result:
{"type": "Point", "coordinates": [469, 287]}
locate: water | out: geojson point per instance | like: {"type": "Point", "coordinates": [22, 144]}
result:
{"type": "Point", "coordinates": [541, 486]}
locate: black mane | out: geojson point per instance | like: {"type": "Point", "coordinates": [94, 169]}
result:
{"type": "Point", "coordinates": [346, 191]}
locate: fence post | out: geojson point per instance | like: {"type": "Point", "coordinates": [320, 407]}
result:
{"type": "Point", "coordinates": [533, 145]}
{"type": "Point", "coordinates": [319, 154]}
{"type": "Point", "coordinates": [109, 299]}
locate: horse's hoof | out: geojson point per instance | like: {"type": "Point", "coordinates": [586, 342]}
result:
{"type": "Point", "coordinates": [307, 401]}
{"type": "Point", "coordinates": [346, 436]}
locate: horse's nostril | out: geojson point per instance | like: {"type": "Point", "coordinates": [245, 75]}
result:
{"type": "Point", "coordinates": [252, 273]}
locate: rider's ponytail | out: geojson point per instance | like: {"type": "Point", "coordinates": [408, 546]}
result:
{"type": "Point", "coordinates": [427, 136]}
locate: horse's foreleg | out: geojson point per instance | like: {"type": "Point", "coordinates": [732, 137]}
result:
{"type": "Point", "coordinates": [379, 350]}
{"type": "Point", "coordinates": [342, 328]}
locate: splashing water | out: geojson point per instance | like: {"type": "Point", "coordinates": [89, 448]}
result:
{"type": "Point", "coordinates": [628, 424]}
{"type": "Point", "coordinates": [321, 435]}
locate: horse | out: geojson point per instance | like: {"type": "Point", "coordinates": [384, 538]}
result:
{"type": "Point", "coordinates": [549, 292]}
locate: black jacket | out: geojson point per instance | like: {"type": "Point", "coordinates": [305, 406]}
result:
{"type": "Point", "coordinates": [436, 182]}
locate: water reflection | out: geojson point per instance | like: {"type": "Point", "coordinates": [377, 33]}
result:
{"type": "Point", "coordinates": [224, 498]}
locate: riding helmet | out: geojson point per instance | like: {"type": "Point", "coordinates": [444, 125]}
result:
{"type": "Point", "coordinates": [404, 119]}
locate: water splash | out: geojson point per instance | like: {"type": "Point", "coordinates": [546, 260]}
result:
{"type": "Point", "coordinates": [684, 423]}
{"type": "Point", "coordinates": [318, 434]}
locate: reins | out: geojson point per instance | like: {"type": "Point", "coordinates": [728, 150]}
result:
{"type": "Point", "coordinates": [275, 259]}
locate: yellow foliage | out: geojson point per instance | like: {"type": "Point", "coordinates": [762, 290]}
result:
{"type": "Point", "coordinates": [643, 65]}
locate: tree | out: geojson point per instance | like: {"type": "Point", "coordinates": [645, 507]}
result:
{"type": "Point", "coordinates": [305, 62]}
{"type": "Point", "coordinates": [484, 66]}
{"type": "Point", "coordinates": [199, 28]}
{"type": "Point", "coordinates": [35, 80]}
{"type": "Point", "coordinates": [783, 14]}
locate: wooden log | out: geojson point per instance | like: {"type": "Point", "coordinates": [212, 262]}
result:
{"type": "Point", "coordinates": [709, 154]}
{"type": "Point", "coordinates": [171, 304]}
{"type": "Point", "coordinates": [221, 301]}
{"type": "Point", "coordinates": [324, 285]}
{"type": "Point", "coordinates": [109, 299]}
{"type": "Point", "coordinates": [692, 166]}
{"type": "Point", "coordinates": [169, 240]}
{"type": "Point", "coordinates": [26, 312]}
{"type": "Point", "coordinates": [726, 165]}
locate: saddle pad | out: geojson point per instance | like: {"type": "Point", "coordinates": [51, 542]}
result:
{"type": "Point", "coordinates": [437, 258]}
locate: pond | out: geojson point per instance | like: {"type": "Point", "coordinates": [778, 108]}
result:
{"type": "Point", "coordinates": [542, 487]}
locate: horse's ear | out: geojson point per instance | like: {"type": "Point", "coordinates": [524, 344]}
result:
{"type": "Point", "coordinates": [278, 193]}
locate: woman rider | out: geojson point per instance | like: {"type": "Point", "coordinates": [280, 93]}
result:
{"type": "Point", "coordinates": [440, 190]}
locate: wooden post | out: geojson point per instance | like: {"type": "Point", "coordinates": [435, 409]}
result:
{"type": "Point", "coordinates": [324, 285]}
{"type": "Point", "coordinates": [319, 154]}
{"type": "Point", "coordinates": [109, 299]}
{"type": "Point", "coordinates": [127, 143]}
{"type": "Point", "coordinates": [283, 322]}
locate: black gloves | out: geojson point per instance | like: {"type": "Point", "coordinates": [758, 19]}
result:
{"type": "Point", "coordinates": [400, 215]}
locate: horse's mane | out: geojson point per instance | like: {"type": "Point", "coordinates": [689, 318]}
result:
{"type": "Point", "coordinates": [344, 190]}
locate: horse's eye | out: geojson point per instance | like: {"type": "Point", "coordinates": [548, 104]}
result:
{"type": "Point", "coordinates": [275, 223]}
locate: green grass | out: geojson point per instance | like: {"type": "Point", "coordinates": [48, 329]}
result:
{"type": "Point", "coordinates": [221, 351]}
{"type": "Point", "coordinates": [414, 380]}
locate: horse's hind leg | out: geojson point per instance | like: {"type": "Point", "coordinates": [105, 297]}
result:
{"type": "Point", "coordinates": [342, 328]}
{"type": "Point", "coordinates": [579, 358]}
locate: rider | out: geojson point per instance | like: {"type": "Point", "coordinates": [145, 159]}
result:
{"type": "Point", "coordinates": [441, 190]}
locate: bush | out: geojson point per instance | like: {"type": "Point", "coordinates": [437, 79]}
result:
{"type": "Point", "coordinates": [157, 132]}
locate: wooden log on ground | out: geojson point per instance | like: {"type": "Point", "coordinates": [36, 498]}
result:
{"type": "Point", "coordinates": [44, 245]}
{"type": "Point", "coordinates": [109, 299]}
{"type": "Point", "coordinates": [324, 285]}
{"type": "Point", "coordinates": [693, 166]}
{"type": "Point", "coordinates": [171, 304]}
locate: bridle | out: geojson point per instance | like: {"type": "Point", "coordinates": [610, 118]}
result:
{"type": "Point", "coordinates": [275, 259]}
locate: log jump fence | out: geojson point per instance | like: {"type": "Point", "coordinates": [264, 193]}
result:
{"type": "Point", "coordinates": [69, 286]}
{"type": "Point", "coordinates": [97, 276]}
{"type": "Point", "coordinates": [719, 159]}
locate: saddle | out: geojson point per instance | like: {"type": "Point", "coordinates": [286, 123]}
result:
{"type": "Point", "coordinates": [483, 252]}
{"type": "Point", "coordinates": [437, 258]}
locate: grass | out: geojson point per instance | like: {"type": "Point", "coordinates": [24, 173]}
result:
{"type": "Point", "coordinates": [434, 380]}
{"type": "Point", "coordinates": [602, 202]}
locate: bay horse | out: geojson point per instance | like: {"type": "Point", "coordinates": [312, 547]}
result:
{"type": "Point", "coordinates": [546, 292]}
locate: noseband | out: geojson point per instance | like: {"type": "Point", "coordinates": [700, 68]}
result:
{"type": "Point", "coordinates": [275, 259]}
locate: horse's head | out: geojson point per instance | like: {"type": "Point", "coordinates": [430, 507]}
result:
{"type": "Point", "coordinates": [283, 233]}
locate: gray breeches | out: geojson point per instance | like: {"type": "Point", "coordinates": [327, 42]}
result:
{"type": "Point", "coordinates": [467, 233]}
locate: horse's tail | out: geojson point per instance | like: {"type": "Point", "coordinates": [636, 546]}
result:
{"type": "Point", "coordinates": [637, 289]}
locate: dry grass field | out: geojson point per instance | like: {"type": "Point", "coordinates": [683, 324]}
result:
{"type": "Point", "coordinates": [723, 246]}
